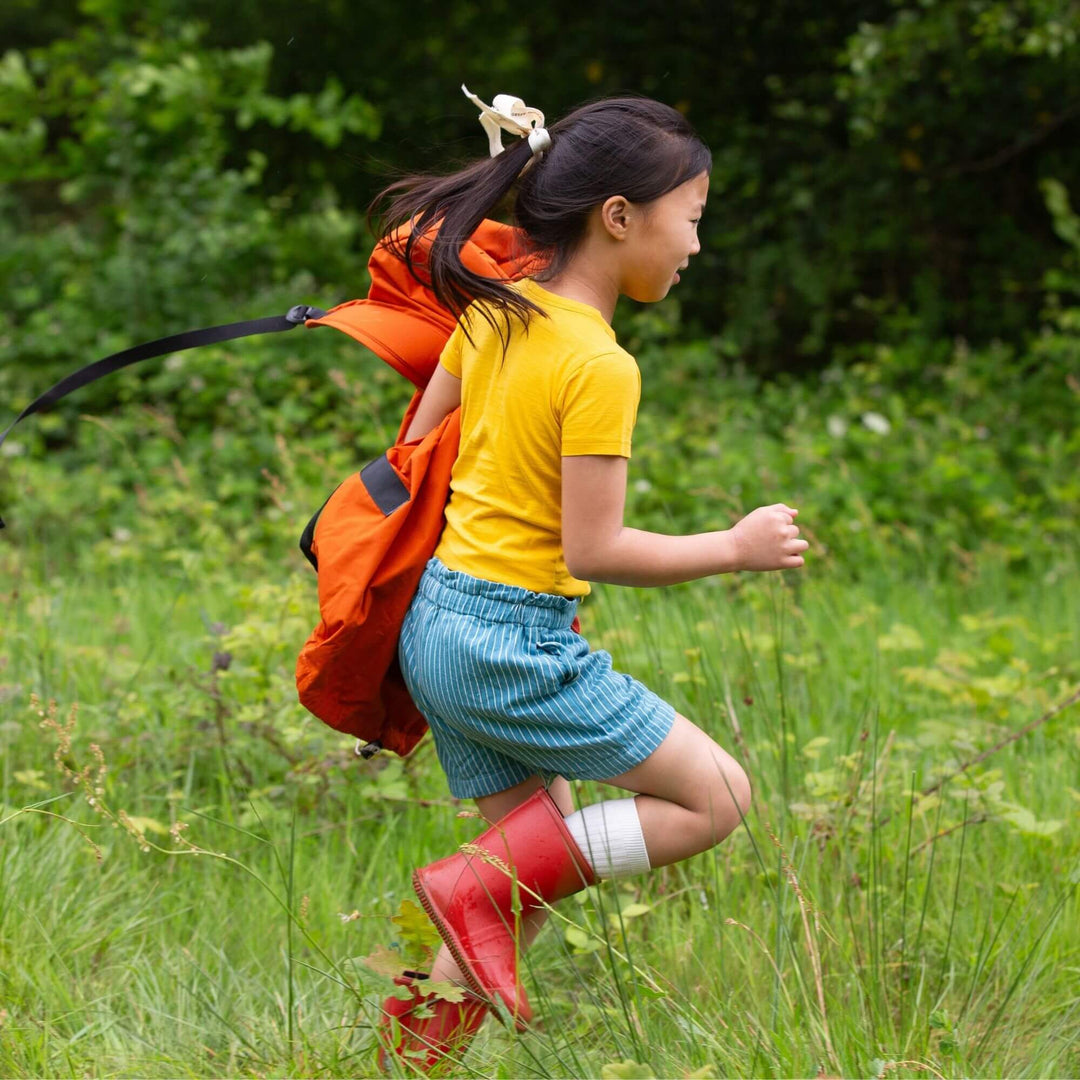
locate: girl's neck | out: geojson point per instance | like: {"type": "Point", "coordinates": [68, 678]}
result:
{"type": "Point", "coordinates": [586, 284]}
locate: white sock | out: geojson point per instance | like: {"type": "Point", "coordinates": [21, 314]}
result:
{"type": "Point", "coordinates": [610, 837]}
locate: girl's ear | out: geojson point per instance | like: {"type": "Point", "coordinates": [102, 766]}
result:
{"type": "Point", "coordinates": [615, 216]}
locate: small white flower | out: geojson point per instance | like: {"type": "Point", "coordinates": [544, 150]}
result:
{"type": "Point", "coordinates": [642, 485]}
{"type": "Point", "coordinates": [836, 426]}
{"type": "Point", "coordinates": [876, 423]}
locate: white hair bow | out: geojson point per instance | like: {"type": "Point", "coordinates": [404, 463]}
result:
{"type": "Point", "coordinates": [507, 113]}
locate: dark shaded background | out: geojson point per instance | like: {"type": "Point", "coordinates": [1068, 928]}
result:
{"type": "Point", "coordinates": [878, 164]}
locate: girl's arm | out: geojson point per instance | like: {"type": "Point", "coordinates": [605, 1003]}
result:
{"type": "Point", "coordinates": [441, 396]}
{"type": "Point", "coordinates": [598, 547]}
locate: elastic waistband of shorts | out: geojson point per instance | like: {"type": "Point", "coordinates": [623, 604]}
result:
{"type": "Point", "coordinates": [493, 601]}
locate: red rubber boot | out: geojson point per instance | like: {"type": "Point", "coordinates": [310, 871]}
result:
{"type": "Point", "coordinates": [425, 1041]}
{"type": "Point", "coordinates": [477, 896]}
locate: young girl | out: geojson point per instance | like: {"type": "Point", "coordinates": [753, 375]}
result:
{"type": "Point", "coordinates": [608, 202]}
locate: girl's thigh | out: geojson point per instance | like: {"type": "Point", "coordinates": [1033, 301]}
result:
{"type": "Point", "coordinates": [689, 769]}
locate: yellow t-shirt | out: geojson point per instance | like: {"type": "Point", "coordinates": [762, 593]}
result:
{"type": "Point", "coordinates": [564, 388]}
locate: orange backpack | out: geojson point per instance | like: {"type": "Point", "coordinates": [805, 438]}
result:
{"type": "Point", "coordinates": [372, 538]}
{"type": "Point", "coordinates": [374, 535]}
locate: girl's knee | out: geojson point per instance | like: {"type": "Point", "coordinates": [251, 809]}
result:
{"type": "Point", "coordinates": [742, 793]}
{"type": "Point", "coordinates": [727, 800]}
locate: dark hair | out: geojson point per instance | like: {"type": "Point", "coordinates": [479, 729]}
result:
{"type": "Point", "coordinates": [629, 146]}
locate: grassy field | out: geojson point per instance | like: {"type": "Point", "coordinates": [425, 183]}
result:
{"type": "Point", "coordinates": [193, 871]}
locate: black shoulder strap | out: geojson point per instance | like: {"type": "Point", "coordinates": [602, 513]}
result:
{"type": "Point", "coordinates": [190, 339]}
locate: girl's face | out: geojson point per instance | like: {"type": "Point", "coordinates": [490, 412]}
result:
{"type": "Point", "coordinates": [660, 240]}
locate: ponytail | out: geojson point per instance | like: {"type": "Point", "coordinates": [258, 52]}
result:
{"type": "Point", "coordinates": [444, 211]}
{"type": "Point", "coordinates": [629, 146]}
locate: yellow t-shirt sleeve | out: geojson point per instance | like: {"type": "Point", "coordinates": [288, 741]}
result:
{"type": "Point", "coordinates": [450, 357]}
{"type": "Point", "coordinates": [598, 406]}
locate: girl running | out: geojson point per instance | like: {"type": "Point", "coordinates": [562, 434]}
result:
{"type": "Point", "coordinates": [608, 202]}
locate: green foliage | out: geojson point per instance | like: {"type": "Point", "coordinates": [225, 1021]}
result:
{"type": "Point", "coordinates": [894, 192]}
{"type": "Point", "coordinates": [872, 162]}
{"type": "Point", "coordinates": [191, 852]}
{"type": "Point", "coordinates": [126, 212]}
{"type": "Point", "coordinates": [931, 451]}
{"type": "Point", "coordinates": [626, 1070]}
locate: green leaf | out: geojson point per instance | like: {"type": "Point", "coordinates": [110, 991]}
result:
{"type": "Point", "coordinates": [626, 1070]}
{"type": "Point", "coordinates": [385, 961]}
{"type": "Point", "coordinates": [900, 638]}
{"type": "Point", "coordinates": [813, 748]}
{"type": "Point", "coordinates": [582, 942]}
{"type": "Point", "coordinates": [1026, 822]}
{"type": "Point", "coordinates": [939, 1021]}
{"type": "Point", "coordinates": [146, 824]}
{"type": "Point", "coordinates": [444, 990]}
{"type": "Point", "coordinates": [32, 778]}
{"type": "Point", "coordinates": [414, 927]}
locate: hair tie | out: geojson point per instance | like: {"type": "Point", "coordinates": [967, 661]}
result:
{"type": "Point", "coordinates": [507, 113]}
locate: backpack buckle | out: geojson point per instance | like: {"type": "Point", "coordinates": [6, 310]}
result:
{"type": "Point", "coordinates": [300, 313]}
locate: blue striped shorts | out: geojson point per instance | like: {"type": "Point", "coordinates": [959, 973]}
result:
{"type": "Point", "coordinates": [510, 690]}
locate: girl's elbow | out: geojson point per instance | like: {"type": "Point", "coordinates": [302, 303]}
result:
{"type": "Point", "coordinates": [576, 567]}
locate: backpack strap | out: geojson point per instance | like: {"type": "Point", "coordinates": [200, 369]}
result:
{"type": "Point", "coordinates": [189, 339]}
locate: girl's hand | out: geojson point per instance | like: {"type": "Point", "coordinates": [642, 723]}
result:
{"type": "Point", "coordinates": [768, 539]}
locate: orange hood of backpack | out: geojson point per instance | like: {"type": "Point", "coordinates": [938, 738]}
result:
{"type": "Point", "coordinates": [400, 320]}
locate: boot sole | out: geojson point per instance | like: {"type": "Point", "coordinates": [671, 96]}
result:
{"type": "Point", "coordinates": [522, 1017]}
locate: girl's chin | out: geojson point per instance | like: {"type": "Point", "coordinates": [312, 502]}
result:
{"type": "Point", "coordinates": [643, 297]}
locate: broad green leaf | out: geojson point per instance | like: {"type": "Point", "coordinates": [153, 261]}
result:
{"type": "Point", "coordinates": [444, 990]}
{"type": "Point", "coordinates": [821, 784]}
{"type": "Point", "coordinates": [813, 748]}
{"type": "Point", "coordinates": [414, 926]}
{"type": "Point", "coordinates": [31, 778]}
{"type": "Point", "coordinates": [581, 941]}
{"type": "Point", "coordinates": [385, 961]}
{"type": "Point", "coordinates": [1027, 823]}
{"type": "Point", "coordinates": [900, 638]}
{"type": "Point", "coordinates": [626, 1070]}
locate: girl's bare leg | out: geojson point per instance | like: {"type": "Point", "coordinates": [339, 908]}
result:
{"type": "Point", "coordinates": [494, 807]}
{"type": "Point", "coordinates": [692, 793]}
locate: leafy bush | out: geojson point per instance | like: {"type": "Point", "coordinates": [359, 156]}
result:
{"type": "Point", "coordinates": [124, 214]}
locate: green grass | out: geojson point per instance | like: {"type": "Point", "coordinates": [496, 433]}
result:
{"type": "Point", "coordinates": [851, 926]}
